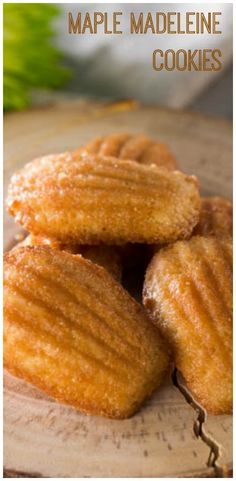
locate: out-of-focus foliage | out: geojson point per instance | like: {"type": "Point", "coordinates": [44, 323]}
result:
{"type": "Point", "coordinates": [30, 59]}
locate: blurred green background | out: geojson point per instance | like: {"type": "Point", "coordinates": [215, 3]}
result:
{"type": "Point", "coordinates": [30, 59]}
{"type": "Point", "coordinates": [40, 57]}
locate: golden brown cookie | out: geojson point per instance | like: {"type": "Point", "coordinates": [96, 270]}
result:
{"type": "Point", "coordinates": [103, 200]}
{"type": "Point", "coordinates": [216, 217]}
{"type": "Point", "coordinates": [188, 293]}
{"type": "Point", "coordinates": [71, 330]}
{"type": "Point", "coordinates": [137, 147]}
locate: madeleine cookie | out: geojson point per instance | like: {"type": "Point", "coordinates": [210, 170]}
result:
{"type": "Point", "coordinates": [71, 330]}
{"type": "Point", "coordinates": [188, 293]}
{"type": "Point", "coordinates": [131, 147]}
{"type": "Point", "coordinates": [103, 200]}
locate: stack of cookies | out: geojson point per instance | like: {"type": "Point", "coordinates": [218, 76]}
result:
{"type": "Point", "coordinates": [70, 328]}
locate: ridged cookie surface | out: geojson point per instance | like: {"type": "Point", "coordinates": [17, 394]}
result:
{"type": "Point", "coordinates": [216, 217]}
{"type": "Point", "coordinates": [188, 293]}
{"type": "Point", "coordinates": [71, 330]}
{"type": "Point", "coordinates": [137, 147]}
{"type": "Point", "coordinates": [108, 257]}
{"type": "Point", "coordinates": [97, 199]}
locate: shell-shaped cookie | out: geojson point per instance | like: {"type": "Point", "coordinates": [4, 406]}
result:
{"type": "Point", "coordinates": [103, 200]}
{"type": "Point", "coordinates": [71, 330]}
{"type": "Point", "coordinates": [188, 293]}
{"type": "Point", "coordinates": [137, 147]}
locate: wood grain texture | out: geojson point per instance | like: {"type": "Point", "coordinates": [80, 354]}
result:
{"type": "Point", "coordinates": [42, 438]}
{"type": "Point", "coordinates": [74, 445]}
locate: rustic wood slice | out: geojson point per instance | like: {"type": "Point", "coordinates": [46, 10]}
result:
{"type": "Point", "coordinates": [46, 439]}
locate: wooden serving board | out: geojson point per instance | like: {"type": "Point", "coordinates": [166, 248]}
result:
{"type": "Point", "coordinates": [171, 436]}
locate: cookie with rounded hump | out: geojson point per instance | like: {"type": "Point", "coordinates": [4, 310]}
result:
{"type": "Point", "coordinates": [188, 294]}
{"type": "Point", "coordinates": [137, 147]}
{"type": "Point", "coordinates": [103, 200]}
{"type": "Point", "coordinates": [71, 330]}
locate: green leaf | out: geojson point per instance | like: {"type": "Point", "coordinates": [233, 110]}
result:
{"type": "Point", "coordinates": [30, 60]}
